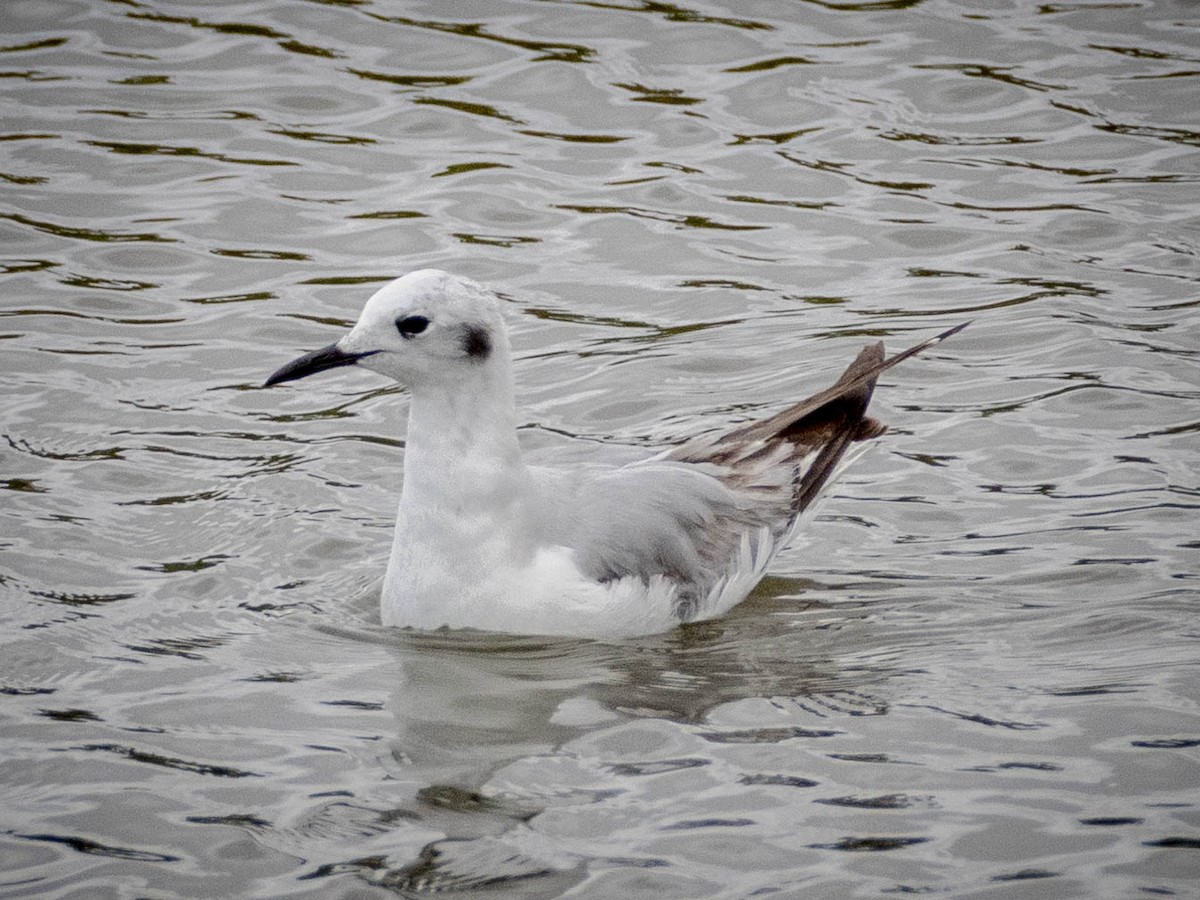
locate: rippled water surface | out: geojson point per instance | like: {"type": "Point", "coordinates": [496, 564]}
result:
{"type": "Point", "coordinates": [976, 677]}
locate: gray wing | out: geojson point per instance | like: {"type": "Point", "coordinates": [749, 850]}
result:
{"type": "Point", "coordinates": [690, 513]}
{"type": "Point", "coordinates": [682, 520]}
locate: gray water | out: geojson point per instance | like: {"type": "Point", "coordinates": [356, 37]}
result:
{"type": "Point", "coordinates": [975, 677]}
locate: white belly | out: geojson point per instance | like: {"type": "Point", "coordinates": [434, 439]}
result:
{"type": "Point", "coordinates": [437, 580]}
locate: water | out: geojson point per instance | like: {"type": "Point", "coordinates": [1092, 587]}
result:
{"type": "Point", "coordinates": [976, 677]}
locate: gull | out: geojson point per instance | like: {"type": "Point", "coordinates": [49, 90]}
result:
{"type": "Point", "coordinates": [603, 548]}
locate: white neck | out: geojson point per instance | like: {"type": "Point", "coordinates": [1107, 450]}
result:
{"type": "Point", "coordinates": [462, 437]}
{"type": "Point", "coordinates": [463, 508]}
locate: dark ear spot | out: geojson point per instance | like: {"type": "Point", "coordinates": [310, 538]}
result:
{"type": "Point", "coordinates": [476, 342]}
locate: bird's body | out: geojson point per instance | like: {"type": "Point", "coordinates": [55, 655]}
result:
{"type": "Point", "coordinates": [599, 549]}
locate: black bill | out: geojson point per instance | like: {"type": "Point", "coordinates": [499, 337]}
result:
{"type": "Point", "coordinates": [318, 361]}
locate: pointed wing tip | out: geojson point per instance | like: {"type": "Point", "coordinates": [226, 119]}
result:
{"type": "Point", "coordinates": [924, 345]}
{"type": "Point", "coordinates": [950, 332]}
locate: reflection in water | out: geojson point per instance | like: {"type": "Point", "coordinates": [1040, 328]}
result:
{"type": "Point", "coordinates": [460, 697]}
{"type": "Point", "coordinates": [467, 705]}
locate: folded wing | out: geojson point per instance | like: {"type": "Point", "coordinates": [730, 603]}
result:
{"type": "Point", "coordinates": [711, 514]}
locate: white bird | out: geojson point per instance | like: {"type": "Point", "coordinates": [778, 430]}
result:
{"type": "Point", "coordinates": [602, 549]}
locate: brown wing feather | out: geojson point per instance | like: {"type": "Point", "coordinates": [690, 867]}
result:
{"type": "Point", "coordinates": [820, 429]}
{"type": "Point", "coordinates": [863, 372]}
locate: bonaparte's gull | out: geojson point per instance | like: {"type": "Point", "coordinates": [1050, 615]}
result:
{"type": "Point", "coordinates": [599, 549]}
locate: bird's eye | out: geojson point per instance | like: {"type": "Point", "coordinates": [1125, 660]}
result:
{"type": "Point", "coordinates": [411, 325]}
